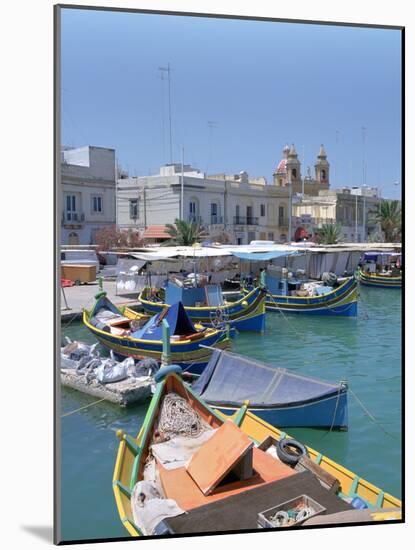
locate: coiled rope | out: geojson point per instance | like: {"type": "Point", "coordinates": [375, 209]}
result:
{"type": "Point", "coordinates": [178, 418]}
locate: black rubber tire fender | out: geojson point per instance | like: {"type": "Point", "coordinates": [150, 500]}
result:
{"type": "Point", "coordinates": [287, 457]}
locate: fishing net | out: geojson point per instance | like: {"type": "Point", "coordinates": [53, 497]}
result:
{"type": "Point", "coordinates": [178, 418]}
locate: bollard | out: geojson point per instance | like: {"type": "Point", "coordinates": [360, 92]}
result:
{"type": "Point", "coordinates": [165, 356]}
{"type": "Point", "coordinates": [100, 283]}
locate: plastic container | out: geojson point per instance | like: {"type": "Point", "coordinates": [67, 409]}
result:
{"type": "Point", "coordinates": [287, 509]}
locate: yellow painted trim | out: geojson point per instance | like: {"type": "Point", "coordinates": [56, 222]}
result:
{"type": "Point", "coordinates": [203, 308]}
{"type": "Point", "coordinates": [313, 297]}
{"type": "Point", "coordinates": [208, 332]}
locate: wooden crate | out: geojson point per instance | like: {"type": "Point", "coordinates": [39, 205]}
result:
{"type": "Point", "coordinates": [82, 273]}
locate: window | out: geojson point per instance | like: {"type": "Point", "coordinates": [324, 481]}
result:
{"type": "Point", "coordinates": [294, 173]}
{"type": "Point", "coordinates": [133, 209]}
{"type": "Point", "coordinates": [97, 205]}
{"type": "Point", "coordinates": [73, 238]}
{"type": "Point", "coordinates": [193, 209]}
{"type": "Point", "coordinates": [323, 174]}
{"type": "Point", "coordinates": [270, 236]}
{"type": "Point", "coordinates": [262, 209]}
{"type": "Point", "coordinates": [71, 213]}
{"type": "Point", "coordinates": [213, 209]}
{"type": "Point", "coordinates": [280, 213]}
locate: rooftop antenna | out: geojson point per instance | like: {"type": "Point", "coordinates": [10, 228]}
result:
{"type": "Point", "coordinates": [211, 124]}
{"type": "Point", "coordinates": [168, 70]}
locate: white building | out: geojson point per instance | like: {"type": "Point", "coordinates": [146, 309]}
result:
{"type": "Point", "coordinates": [235, 208]}
{"type": "Point", "coordinates": [88, 193]}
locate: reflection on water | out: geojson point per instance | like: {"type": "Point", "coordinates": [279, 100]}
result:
{"type": "Point", "coordinates": [365, 351]}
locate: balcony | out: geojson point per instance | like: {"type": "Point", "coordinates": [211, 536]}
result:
{"type": "Point", "coordinates": [216, 220]}
{"type": "Point", "coordinates": [245, 220]}
{"type": "Point", "coordinates": [195, 219]}
{"type": "Point", "coordinates": [73, 220]}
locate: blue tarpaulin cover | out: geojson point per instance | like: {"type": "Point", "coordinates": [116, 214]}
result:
{"type": "Point", "coordinates": [177, 318]}
{"type": "Point", "coordinates": [187, 295]}
{"type": "Point", "coordinates": [263, 256]}
{"type": "Point", "coordinates": [230, 379]}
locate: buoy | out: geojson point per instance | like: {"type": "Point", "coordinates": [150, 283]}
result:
{"type": "Point", "coordinates": [164, 371]}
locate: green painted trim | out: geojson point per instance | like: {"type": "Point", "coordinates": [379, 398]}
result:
{"type": "Point", "coordinates": [147, 423]}
{"type": "Point", "coordinates": [318, 458]}
{"type": "Point", "coordinates": [131, 444]}
{"type": "Point", "coordinates": [125, 490]}
{"type": "Point", "coordinates": [355, 483]}
{"type": "Point", "coordinates": [379, 500]}
{"type": "Point", "coordinates": [134, 471]}
{"type": "Point", "coordinates": [240, 415]}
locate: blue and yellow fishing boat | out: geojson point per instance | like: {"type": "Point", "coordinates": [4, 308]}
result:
{"type": "Point", "coordinates": [193, 470]}
{"type": "Point", "coordinates": [325, 300]}
{"type": "Point", "coordinates": [379, 279]}
{"type": "Point", "coordinates": [380, 269]}
{"type": "Point", "coordinates": [206, 305]}
{"type": "Point", "coordinates": [131, 334]}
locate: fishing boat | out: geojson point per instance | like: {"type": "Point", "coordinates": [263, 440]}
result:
{"type": "Point", "coordinates": [131, 334]}
{"type": "Point", "coordinates": [279, 396]}
{"type": "Point", "coordinates": [206, 305]}
{"type": "Point", "coordinates": [193, 470]}
{"type": "Point", "coordinates": [380, 269]}
{"type": "Point", "coordinates": [291, 295]}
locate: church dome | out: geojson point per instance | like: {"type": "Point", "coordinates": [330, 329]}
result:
{"type": "Point", "coordinates": [282, 165]}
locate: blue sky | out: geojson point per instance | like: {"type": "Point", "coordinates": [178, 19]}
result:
{"type": "Point", "coordinates": [262, 84]}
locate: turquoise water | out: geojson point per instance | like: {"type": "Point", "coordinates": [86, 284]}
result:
{"type": "Point", "coordinates": [365, 351]}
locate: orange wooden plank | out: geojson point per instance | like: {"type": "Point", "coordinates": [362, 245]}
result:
{"type": "Point", "coordinates": [213, 460]}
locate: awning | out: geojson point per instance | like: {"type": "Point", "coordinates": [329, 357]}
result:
{"type": "Point", "coordinates": [156, 232]}
{"type": "Point", "coordinates": [264, 256]}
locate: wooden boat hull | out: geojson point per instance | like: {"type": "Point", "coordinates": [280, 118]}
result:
{"type": "Point", "coordinates": [189, 354]}
{"type": "Point", "coordinates": [129, 455]}
{"type": "Point", "coordinates": [341, 301]}
{"type": "Point", "coordinates": [375, 280]}
{"type": "Point", "coordinates": [246, 314]}
{"type": "Point", "coordinates": [329, 412]}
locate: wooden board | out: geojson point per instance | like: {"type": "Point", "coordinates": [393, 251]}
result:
{"type": "Point", "coordinates": [211, 462]}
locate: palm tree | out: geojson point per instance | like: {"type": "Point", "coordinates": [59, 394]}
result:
{"type": "Point", "coordinates": [388, 216]}
{"type": "Point", "coordinates": [183, 233]}
{"type": "Point", "coordinates": [329, 233]}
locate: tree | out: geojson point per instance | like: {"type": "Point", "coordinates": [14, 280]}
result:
{"type": "Point", "coordinates": [183, 233]}
{"type": "Point", "coordinates": [329, 233]}
{"type": "Point", "coordinates": [112, 237]}
{"type": "Point", "coordinates": [222, 237]}
{"type": "Point", "coordinates": [388, 215]}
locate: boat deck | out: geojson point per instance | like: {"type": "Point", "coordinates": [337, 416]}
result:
{"type": "Point", "coordinates": [240, 511]}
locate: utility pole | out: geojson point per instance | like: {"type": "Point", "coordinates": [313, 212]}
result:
{"type": "Point", "coordinates": [145, 207]}
{"type": "Point", "coordinates": [182, 188]}
{"type": "Point", "coordinates": [168, 70]}
{"type": "Point", "coordinates": [290, 212]}
{"type": "Point", "coordinates": [364, 183]}
{"type": "Point", "coordinates": [355, 219]}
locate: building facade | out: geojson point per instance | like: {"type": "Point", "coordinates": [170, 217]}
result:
{"type": "Point", "coordinates": [231, 208]}
{"type": "Point", "coordinates": [349, 208]}
{"type": "Point", "coordinates": [88, 177]}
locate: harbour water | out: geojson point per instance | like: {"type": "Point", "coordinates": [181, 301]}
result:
{"type": "Point", "coordinates": [365, 351]}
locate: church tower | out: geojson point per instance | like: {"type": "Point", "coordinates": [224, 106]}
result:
{"type": "Point", "coordinates": [293, 168]}
{"type": "Point", "coordinates": [280, 174]}
{"type": "Point", "coordinates": [322, 168]}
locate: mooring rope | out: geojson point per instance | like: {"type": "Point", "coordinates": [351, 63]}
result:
{"type": "Point", "coordinates": [371, 416]}
{"type": "Point", "coordinates": [301, 336]}
{"type": "Point", "coordinates": [84, 407]}
{"type": "Point", "coordinates": [74, 316]}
